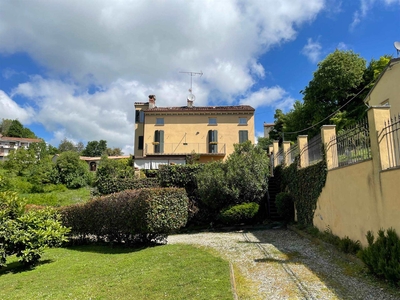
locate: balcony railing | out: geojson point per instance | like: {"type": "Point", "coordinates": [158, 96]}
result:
{"type": "Point", "coordinates": [184, 148]}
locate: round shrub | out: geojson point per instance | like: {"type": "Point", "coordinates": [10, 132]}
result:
{"type": "Point", "coordinates": [285, 206]}
{"type": "Point", "coordinates": [239, 213]}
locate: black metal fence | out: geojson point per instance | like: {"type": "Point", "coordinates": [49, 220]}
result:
{"type": "Point", "coordinates": [292, 153]}
{"type": "Point", "coordinates": [314, 149]}
{"type": "Point", "coordinates": [353, 145]}
{"type": "Point", "coordinates": [389, 135]}
{"type": "Point", "coordinates": [279, 157]}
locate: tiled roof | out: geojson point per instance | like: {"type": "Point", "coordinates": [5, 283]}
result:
{"type": "Point", "coordinates": [89, 158]}
{"type": "Point", "coordinates": [201, 108]}
{"type": "Point", "coordinates": [17, 139]}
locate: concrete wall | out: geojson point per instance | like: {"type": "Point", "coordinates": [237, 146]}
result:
{"type": "Point", "coordinates": [363, 196]}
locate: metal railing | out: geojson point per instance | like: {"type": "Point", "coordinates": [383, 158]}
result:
{"type": "Point", "coordinates": [292, 153]}
{"type": "Point", "coordinates": [314, 149]}
{"type": "Point", "coordinates": [279, 157]}
{"type": "Point", "coordinates": [353, 145]}
{"type": "Point", "coordinates": [184, 148]}
{"type": "Point", "coordinates": [390, 138]}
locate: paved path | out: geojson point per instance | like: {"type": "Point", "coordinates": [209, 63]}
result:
{"type": "Point", "coordinates": [284, 265]}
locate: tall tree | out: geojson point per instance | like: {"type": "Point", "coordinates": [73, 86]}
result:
{"type": "Point", "coordinates": [5, 126]}
{"type": "Point", "coordinates": [66, 145]}
{"type": "Point", "coordinates": [114, 152]}
{"type": "Point", "coordinates": [95, 148]}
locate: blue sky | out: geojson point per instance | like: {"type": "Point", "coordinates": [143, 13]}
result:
{"type": "Point", "coordinates": [73, 69]}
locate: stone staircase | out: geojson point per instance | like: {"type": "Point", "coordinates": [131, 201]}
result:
{"type": "Point", "coordinates": [273, 190]}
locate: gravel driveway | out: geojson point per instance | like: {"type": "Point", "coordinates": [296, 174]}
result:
{"type": "Point", "coordinates": [284, 265]}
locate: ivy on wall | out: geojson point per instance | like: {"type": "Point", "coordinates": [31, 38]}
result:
{"type": "Point", "coordinates": [305, 185]}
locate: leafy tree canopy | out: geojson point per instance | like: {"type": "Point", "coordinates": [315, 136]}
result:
{"type": "Point", "coordinates": [95, 148]}
{"type": "Point", "coordinates": [66, 145]}
{"type": "Point", "coordinates": [335, 95]}
{"type": "Point", "coordinates": [14, 128]}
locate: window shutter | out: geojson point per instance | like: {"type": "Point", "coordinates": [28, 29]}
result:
{"type": "Point", "coordinates": [161, 141]}
{"type": "Point", "coordinates": [243, 136]}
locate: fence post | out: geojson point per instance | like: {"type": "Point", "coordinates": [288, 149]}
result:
{"type": "Point", "coordinates": [328, 134]}
{"type": "Point", "coordinates": [276, 150]}
{"type": "Point", "coordinates": [377, 116]}
{"type": "Point", "coordinates": [271, 169]}
{"type": "Point", "coordinates": [302, 141]}
{"type": "Point", "coordinates": [286, 148]}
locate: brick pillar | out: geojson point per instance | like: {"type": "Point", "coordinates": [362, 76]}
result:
{"type": "Point", "coordinates": [328, 136]}
{"type": "Point", "coordinates": [302, 141]}
{"type": "Point", "coordinates": [286, 148]}
{"type": "Point", "coordinates": [377, 116]}
{"type": "Point", "coordinates": [276, 150]}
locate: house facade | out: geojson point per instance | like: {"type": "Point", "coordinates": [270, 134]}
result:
{"type": "Point", "coordinates": [9, 144]}
{"type": "Point", "coordinates": [165, 135]}
{"type": "Point", "coordinates": [386, 91]}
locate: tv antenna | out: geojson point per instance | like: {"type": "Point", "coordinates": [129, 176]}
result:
{"type": "Point", "coordinates": [191, 97]}
{"type": "Point", "coordinates": [397, 46]}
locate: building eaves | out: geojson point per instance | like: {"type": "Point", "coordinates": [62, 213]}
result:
{"type": "Point", "coordinates": [200, 108]}
{"type": "Point", "coordinates": [17, 139]}
{"type": "Point", "coordinates": [392, 62]}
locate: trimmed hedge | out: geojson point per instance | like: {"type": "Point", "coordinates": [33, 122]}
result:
{"type": "Point", "coordinates": [115, 185]}
{"type": "Point", "coordinates": [132, 215]}
{"type": "Point", "coordinates": [239, 213]}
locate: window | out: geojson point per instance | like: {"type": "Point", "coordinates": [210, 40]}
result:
{"type": "Point", "coordinates": [140, 143]}
{"type": "Point", "coordinates": [242, 121]}
{"type": "Point", "coordinates": [212, 141]}
{"type": "Point", "coordinates": [139, 116]}
{"type": "Point", "coordinates": [243, 136]}
{"type": "Point", "coordinates": [159, 141]}
{"type": "Point", "coordinates": [160, 121]}
{"type": "Point", "coordinates": [212, 121]}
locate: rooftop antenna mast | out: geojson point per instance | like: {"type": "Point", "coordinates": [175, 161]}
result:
{"type": "Point", "coordinates": [191, 78]}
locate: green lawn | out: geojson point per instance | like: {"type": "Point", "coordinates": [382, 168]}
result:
{"type": "Point", "coordinates": [58, 197]}
{"type": "Point", "coordinates": [97, 272]}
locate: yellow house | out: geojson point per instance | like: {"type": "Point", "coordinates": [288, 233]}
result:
{"type": "Point", "coordinates": [386, 91]}
{"type": "Point", "coordinates": [165, 135]}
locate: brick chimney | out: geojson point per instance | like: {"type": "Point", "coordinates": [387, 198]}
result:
{"type": "Point", "coordinates": [152, 101]}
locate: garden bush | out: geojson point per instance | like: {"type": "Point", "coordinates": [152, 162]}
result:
{"type": "Point", "coordinates": [241, 213]}
{"type": "Point", "coordinates": [27, 234]}
{"type": "Point", "coordinates": [382, 256]}
{"type": "Point", "coordinates": [114, 185]}
{"type": "Point", "coordinates": [129, 216]}
{"type": "Point", "coordinates": [285, 206]}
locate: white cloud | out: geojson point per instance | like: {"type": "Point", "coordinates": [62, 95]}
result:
{"type": "Point", "coordinates": [312, 50]}
{"type": "Point", "coordinates": [365, 7]}
{"type": "Point", "coordinates": [77, 115]}
{"type": "Point", "coordinates": [9, 109]}
{"type": "Point", "coordinates": [130, 49]}
{"type": "Point", "coordinates": [275, 97]}
{"type": "Point", "coordinates": [342, 46]}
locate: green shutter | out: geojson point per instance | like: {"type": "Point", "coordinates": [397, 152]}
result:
{"type": "Point", "coordinates": [243, 136]}
{"type": "Point", "coordinates": [161, 141]}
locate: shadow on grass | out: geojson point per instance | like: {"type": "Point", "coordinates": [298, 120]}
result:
{"type": "Point", "coordinates": [16, 267]}
{"type": "Point", "coordinates": [104, 248]}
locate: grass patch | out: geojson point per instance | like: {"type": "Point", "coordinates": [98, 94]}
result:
{"type": "Point", "coordinates": [60, 197]}
{"type": "Point", "coordinates": [99, 272]}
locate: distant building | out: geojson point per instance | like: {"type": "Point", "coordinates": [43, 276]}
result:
{"type": "Point", "coordinates": [267, 129]}
{"type": "Point", "coordinates": [10, 144]}
{"type": "Point", "coordinates": [93, 162]}
{"type": "Point", "coordinates": [165, 135]}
